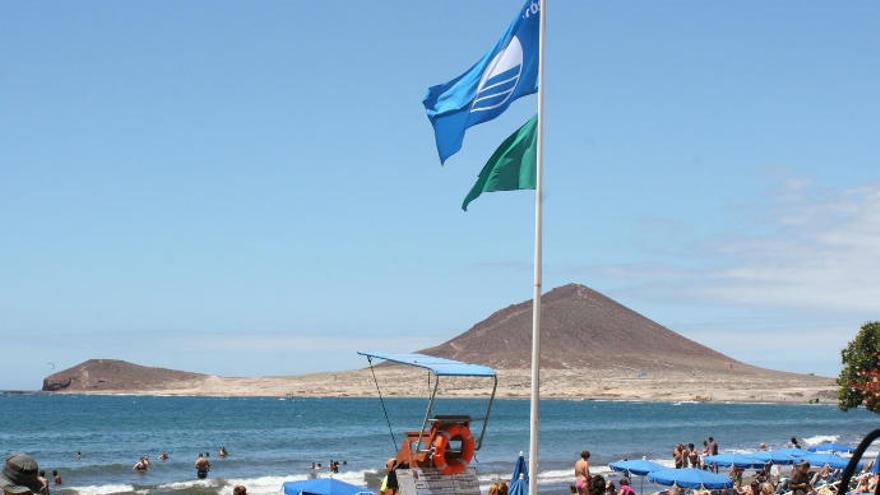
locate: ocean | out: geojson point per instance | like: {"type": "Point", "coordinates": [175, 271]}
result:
{"type": "Point", "coordinates": [273, 440]}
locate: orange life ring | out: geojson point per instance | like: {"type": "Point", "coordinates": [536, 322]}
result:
{"type": "Point", "coordinates": [457, 464]}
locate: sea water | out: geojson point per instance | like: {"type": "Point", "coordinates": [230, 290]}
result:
{"type": "Point", "coordinates": [272, 440]}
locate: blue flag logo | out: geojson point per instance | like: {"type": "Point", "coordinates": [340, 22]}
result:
{"type": "Point", "coordinates": [505, 73]}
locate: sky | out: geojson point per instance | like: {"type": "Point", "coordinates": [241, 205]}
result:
{"type": "Point", "coordinates": [247, 188]}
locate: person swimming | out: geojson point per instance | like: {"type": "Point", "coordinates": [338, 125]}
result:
{"type": "Point", "coordinates": [223, 452]}
{"type": "Point", "coordinates": [140, 466]}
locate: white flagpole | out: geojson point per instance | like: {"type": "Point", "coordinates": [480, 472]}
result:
{"type": "Point", "coordinates": [536, 297]}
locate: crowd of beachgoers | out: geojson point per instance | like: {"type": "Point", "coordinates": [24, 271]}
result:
{"type": "Point", "coordinates": [773, 472]}
{"type": "Point", "coordinates": [790, 473]}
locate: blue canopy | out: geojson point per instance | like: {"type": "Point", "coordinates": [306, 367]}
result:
{"type": "Point", "coordinates": [782, 456]}
{"type": "Point", "coordinates": [322, 486]}
{"type": "Point", "coordinates": [639, 467]}
{"type": "Point", "coordinates": [438, 366]}
{"type": "Point", "coordinates": [738, 460]}
{"type": "Point", "coordinates": [519, 482]}
{"type": "Point", "coordinates": [835, 461]}
{"type": "Point", "coordinates": [875, 467]}
{"type": "Point", "coordinates": [792, 452]}
{"type": "Point", "coordinates": [690, 478]}
{"type": "Point", "coordinates": [831, 447]}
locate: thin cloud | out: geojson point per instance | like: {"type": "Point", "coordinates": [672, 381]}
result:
{"type": "Point", "coordinates": [819, 250]}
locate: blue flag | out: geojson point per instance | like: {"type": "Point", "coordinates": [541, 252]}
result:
{"type": "Point", "coordinates": [509, 70]}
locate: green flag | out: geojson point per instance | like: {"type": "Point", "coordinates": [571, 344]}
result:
{"type": "Point", "coordinates": [512, 166]}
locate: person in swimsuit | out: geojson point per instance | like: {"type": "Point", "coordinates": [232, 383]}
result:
{"type": "Point", "coordinates": [42, 477]}
{"type": "Point", "coordinates": [223, 452]}
{"type": "Point", "coordinates": [713, 450]}
{"type": "Point", "coordinates": [56, 478]}
{"type": "Point", "coordinates": [582, 473]}
{"type": "Point", "coordinates": [799, 483]}
{"type": "Point", "coordinates": [693, 456]}
{"type": "Point", "coordinates": [202, 466]}
{"type": "Point", "coordinates": [625, 489]}
{"type": "Point", "coordinates": [140, 466]}
{"type": "Point", "coordinates": [389, 483]}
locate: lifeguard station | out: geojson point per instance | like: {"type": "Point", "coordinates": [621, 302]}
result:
{"type": "Point", "coordinates": [435, 459]}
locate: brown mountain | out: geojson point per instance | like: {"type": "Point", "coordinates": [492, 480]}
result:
{"type": "Point", "coordinates": [582, 329]}
{"type": "Point", "coordinates": [592, 347]}
{"type": "Point", "coordinates": [112, 374]}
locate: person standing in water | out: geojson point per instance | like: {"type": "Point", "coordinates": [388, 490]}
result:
{"type": "Point", "coordinates": [42, 477]}
{"type": "Point", "coordinates": [202, 466]}
{"type": "Point", "coordinates": [582, 473]}
{"type": "Point", "coordinates": [223, 452]}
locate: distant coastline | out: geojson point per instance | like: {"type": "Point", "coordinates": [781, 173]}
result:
{"type": "Point", "coordinates": [592, 348]}
{"type": "Point", "coordinates": [514, 384]}
{"type": "Point", "coordinates": [827, 401]}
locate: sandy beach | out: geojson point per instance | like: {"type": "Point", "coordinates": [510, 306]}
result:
{"type": "Point", "coordinates": [557, 384]}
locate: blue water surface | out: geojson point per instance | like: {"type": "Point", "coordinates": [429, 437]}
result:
{"type": "Point", "coordinates": [271, 437]}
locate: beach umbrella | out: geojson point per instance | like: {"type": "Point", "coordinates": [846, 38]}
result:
{"type": "Point", "coordinates": [782, 456]}
{"type": "Point", "coordinates": [834, 461]}
{"type": "Point", "coordinates": [875, 467]}
{"type": "Point", "coordinates": [322, 486]}
{"type": "Point", "coordinates": [519, 482]}
{"type": "Point", "coordinates": [639, 467]}
{"type": "Point", "coordinates": [792, 452]}
{"type": "Point", "coordinates": [738, 460]}
{"type": "Point", "coordinates": [690, 478]}
{"type": "Point", "coordinates": [831, 447]}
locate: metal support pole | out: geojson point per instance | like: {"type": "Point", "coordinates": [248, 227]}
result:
{"type": "Point", "coordinates": [536, 296]}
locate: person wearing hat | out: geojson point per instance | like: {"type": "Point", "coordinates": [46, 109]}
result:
{"type": "Point", "coordinates": [20, 475]}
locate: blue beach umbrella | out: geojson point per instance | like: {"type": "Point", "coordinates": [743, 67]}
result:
{"type": "Point", "coordinates": [640, 467]}
{"type": "Point", "coordinates": [738, 460]}
{"type": "Point", "coordinates": [875, 468]}
{"type": "Point", "coordinates": [322, 486]}
{"type": "Point", "coordinates": [690, 478]}
{"type": "Point", "coordinates": [834, 461]}
{"type": "Point", "coordinates": [831, 447]}
{"type": "Point", "coordinates": [519, 482]}
{"type": "Point", "coordinates": [782, 456]}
